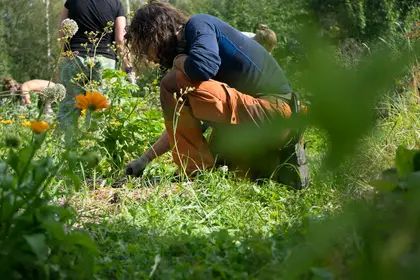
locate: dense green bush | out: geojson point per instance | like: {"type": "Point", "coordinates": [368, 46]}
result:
{"type": "Point", "coordinates": [366, 19]}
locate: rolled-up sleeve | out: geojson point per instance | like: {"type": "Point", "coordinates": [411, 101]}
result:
{"type": "Point", "coordinates": [203, 59]}
{"type": "Point", "coordinates": [67, 4]}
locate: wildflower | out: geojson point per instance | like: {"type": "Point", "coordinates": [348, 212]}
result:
{"type": "Point", "coordinates": [91, 101]}
{"type": "Point", "coordinates": [69, 27]}
{"type": "Point", "coordinates": [53, 94]}
{"type": "Point", "coordinates": [83, 113]}
{"type": "Point", "coordinates": [69, 54]}
{"type": "Point", "coordinates": [224, 169]}
{"type": "Point", "coordinates": [116, 123]}
{"type": "Point", "coordinates": [39, 126]}
{"type": "Point", "coordinates": [6, 121]}
{"type": "Point", "coordinates": [109, 27]}
{"type": "Point", "coordinates": [26, 123]}
{"type": "Point", "coordinates": [22, 117]}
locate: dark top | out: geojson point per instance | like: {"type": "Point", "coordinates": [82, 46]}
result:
{"type": "Point", "coordinates": [218, 51]}
{"type": "Point", "coordinates": [93, 15]}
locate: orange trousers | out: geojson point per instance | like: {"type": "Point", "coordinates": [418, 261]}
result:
{"type": "Point", "coordinates": [185, 103]}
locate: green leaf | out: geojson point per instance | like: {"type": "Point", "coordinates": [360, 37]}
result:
{"type": "Point", "coordinates": [38, 245]}
{"type": "Point", "coordinates": [404, 160]}
{"type": "Point", "coordinates": [383, 185]}
{"type": "Point", "coordinates": [55, 229]}
{"type": "Point", "coordinates": [322, 273]}
{"type": "Point", "coordinates": [83, 240]}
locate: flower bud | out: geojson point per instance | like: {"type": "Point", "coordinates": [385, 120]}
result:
{"type": "Point", "coordinates": [92, 159]}
{"type": "Point", "coordinates": [12, 141]}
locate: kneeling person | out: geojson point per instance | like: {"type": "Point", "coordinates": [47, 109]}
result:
{"type": "Point", "coordinates": [232, 80]}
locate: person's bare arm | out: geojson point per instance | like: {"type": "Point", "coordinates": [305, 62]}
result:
{"type": "Point", "coordinates": [33, 86]}
{"type": "Point", "coordinates": [63, 16]}
{"type": "Point", "coordinates": [120, 25]}
{"type": "Point", "coordinates": [36, 85]}
{"type": "Point", "coordinates": [160, 147]}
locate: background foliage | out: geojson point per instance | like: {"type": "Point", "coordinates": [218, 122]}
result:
{"type": "Point", "coordinates": [87, 221]}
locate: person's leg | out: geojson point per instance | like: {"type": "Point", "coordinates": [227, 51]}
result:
{"type": "Point", "coordinates": [69, 68]}
{"type": "Point", "coordinates": [102, 63]}
{"type": "Point", "coordinates": [255, 161]}
{"type": "Point", "coordinates": [209, 101]}
{"type": "Point", "coordinates": [189, 147]}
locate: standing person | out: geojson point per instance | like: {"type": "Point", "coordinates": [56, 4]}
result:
{"type": "Point", "coordinates": [233, 81]}
{"type": "Point", "coordinates": [90, 16]}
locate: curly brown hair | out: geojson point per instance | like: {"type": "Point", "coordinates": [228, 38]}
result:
{"type": "Point", "coordinates": [155, 25]}
{"type": "Point", "coordinates": [8, 83]}
{"type": "Point", "coordinates": [266, 37]}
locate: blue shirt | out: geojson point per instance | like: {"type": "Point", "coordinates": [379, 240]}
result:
{"type": "Point", "coordinates": [218, 51]}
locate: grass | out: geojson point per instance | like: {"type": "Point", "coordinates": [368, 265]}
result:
{"type": "Point", "coordinates": [220, 226]}
{"type": "Point", "coordinates": [223, 227]}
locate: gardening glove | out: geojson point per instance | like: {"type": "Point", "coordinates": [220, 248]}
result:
{"type": "Point", "coordinates": [137, 167]}
{"type": "Point", "coordinates": [131, 76]}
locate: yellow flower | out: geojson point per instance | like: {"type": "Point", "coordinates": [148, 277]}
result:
{"type": "Point", "coordinates": [116, 123]}
{"type": "Point", "coordinates": [91, 101]}
{"type": "Point", "coordinates": [26, 123]}
{"type": "Point", "coordinates": [83, 113]}
{"type": "Point", "coordinates": [39, 126]}
{"type": "Point", "coordinates": [22, 117]}
{"type": "Point", "coordinates": [6, 121]}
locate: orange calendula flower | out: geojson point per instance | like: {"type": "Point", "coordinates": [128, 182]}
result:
{"type": "Point", "coordinates": [26, 123]}
{"type": "Point", "coordinates": [91, 101]}
{"type": "Point", "coordinates": [39, 126]}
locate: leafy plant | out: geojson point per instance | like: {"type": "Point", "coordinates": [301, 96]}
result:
{"type": "Point", "coordinates": [37, 237]}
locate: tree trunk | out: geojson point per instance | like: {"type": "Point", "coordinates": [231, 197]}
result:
{"type": "Point", "coordinates": [128, 11]}
{"type": "Point", "coordinates": [47, 26]}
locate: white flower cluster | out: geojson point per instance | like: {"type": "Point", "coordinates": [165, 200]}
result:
{"type": "Point", "coordinates": [53, 94]}
{"type": "Point", "coordinates": [69, 27]}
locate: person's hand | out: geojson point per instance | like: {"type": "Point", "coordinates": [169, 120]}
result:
{"type": "Point", "coordinates": [137, 167]}
{"type": "Point", "coordinates": [131, 77]}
